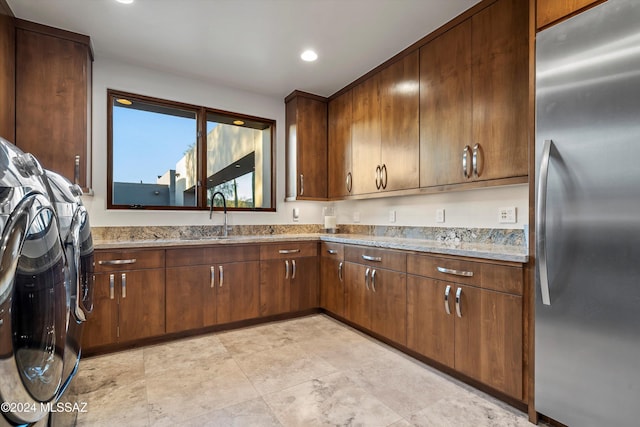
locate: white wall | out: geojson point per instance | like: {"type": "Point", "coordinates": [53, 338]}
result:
{"type": "Point", "coordinates": [475, 208]}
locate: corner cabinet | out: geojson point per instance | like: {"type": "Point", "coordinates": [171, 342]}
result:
{"type": "Point", "coordinates": [340, 179]}
{"type": "Point", "coordinates": [468, 316]}
{"type": "Point", "coordinates": [129, 297]}
{"type": "Point", "coordinates": [306, 146]}
{"type": "Point", "coordinates": [53, 99]}
{"type": "Point", "coordinates": [474, 99]}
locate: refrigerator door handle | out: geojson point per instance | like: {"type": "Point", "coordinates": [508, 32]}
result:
{"type": "Point", "coordinates": [541, 222]}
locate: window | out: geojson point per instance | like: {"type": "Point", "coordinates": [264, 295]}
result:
{"type": "Point", "coordinates": [158, 159]}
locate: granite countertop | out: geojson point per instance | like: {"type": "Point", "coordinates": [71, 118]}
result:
{"type": "Point", "coordinates": [475, 250]}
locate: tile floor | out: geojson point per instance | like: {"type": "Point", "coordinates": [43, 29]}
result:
{"type": "Point", "coordinates": [304, 372]}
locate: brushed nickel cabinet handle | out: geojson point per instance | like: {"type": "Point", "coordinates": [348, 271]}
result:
{"type": "Point", "coordinates": [340, 270]}
{"type": "Point", "coordinates": [301, 184]}
{"type": "Point", "coordinates": [378, 177]}
{"type": "Point", "coordinates": [476, 160]}
{"type": "Point", "coordinates": [373, 280]}
{"type": "Point", "coordinates": [221, 270]}
{"type": "Point", "coordinates": [458, 298]}
{"type": "Point", "coordinates": [112, 279]}
{"type": "Point", "coordinates": [286, 268]}
{"type": "Point", "coordinates": [288, 251]}
{"type": "Point", "coordinates": [293, 269]}
{"type": "Point", "coordinates": [76, 170]}
{"type": "Point", "coordinates": [447, 291]}
{"type": "Point", "coordinates": [117, 261]}
{"type": "Point", "coordinates": [372, 258]}
{"type": "Point", "coordinates": [332, 251]}
{"type": "Point", "coordinates": [213, 276]}
{"type": "Point", "coordinates": [455, 272]}
{"type": "Point", "coordinates": [465, 161]}
{"type": "Point", "coordinates": [366, 278]}
{"type": "Point", "coordinates": [349, 182]}
{"type": "Point", "coordinates": [383, 181]}
{"type": "Point", "coordinates": [124, 285]}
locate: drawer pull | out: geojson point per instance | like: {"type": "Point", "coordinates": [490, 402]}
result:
{"type": "Point", "coordinates": [372, 258]}
{"type": "Point", "coordinates": [455, 272]}
{"type": "Point", "coordinates": [118, 261]}
{"type": "Point", "coordinates": [332, 251]}
{"type": "Point", "coordinates": [289, 251]}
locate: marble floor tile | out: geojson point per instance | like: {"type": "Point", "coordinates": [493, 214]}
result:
{"type": "Point", "coordinates": [302, 372]}
{"type": "Point", "coordinates": [333, 400]}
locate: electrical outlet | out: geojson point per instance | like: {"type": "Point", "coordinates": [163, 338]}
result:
{"type": "Point", "coordinates": [507, 215]}
{"type": "Point", "coordinates": [439, 215]}
{"type": "Point", "coordinates": [392, 216]}
{"type": "Point", "coordinates": [356, 216]}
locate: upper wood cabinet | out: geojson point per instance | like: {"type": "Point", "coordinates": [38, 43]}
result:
{"type": "Point", "coordinates": [306, 142]}
{"type": "Point", "coordinates": [474, 96]}
{"type": "Point", "coordinates": [53, 99]}
{"type": "Point", "coordinates": [7, 77]}
{"type": "Point", "coordinates": [550, 11]}
{"type": "Point", "coordinates": [340, 179]}
{"type": "Point", "coordinates": [385, 137]}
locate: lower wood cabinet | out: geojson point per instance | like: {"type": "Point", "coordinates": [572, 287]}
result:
{"type": "Point", "coordinates": [470, 327]}
{"type": "Point", "coordinates": [211, 285]}
{"type": "Point", "coordinates": [332, 277]}
{"type": "Point", "coordinates": [129, 297]}
{"type": "Point", "coordinates": [288, 277]}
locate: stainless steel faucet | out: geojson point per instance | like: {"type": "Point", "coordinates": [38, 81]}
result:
{"type": "Point", "coordinates": [224, 205]}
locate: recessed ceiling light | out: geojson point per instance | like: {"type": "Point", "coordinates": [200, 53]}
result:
{"type": "Point", "coordinates": [238, 122]}
{"type": "Point", "coordinates": [309, 55]}
{"type": "Point", "coordinates": [125, 1]}
{"type": "Point", "coordinates": [123, 101]}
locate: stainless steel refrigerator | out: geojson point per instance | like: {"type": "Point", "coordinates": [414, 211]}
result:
{"type": "Point", "coordinates": [587, 320]}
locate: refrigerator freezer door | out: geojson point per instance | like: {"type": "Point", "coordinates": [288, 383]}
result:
{"type": "Point", "coordinates": [587, 360]}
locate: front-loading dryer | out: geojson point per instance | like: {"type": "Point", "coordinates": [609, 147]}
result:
{"type": "Point", "coordinates": [34, 308]}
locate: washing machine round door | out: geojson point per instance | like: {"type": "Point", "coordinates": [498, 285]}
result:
{"type": "Point", "coordinates": [34, 310]}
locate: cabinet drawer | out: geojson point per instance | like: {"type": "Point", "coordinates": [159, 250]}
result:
{"type": "Point", "coordinates": [128, 260]}
{"type": "Point", "coordinates": [211, 255]}
{"type": "Point", "coordinates": [332, 250]}
{"type": "Point", "coordinates": [376, 257]}
{"type": "Point", "coordinates": [288, 250]}
{"type": "Point", "coordinates": [489, 276]}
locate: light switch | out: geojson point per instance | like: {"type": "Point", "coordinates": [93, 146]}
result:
{"type": "Point", "coordinates": [296, 214]}
{"type": "Point", "coordinates": [392, 216]}
{"type": "Point", "coordinates": [356, 216]}
{"type": "Point", "coordinates": [439, 215]}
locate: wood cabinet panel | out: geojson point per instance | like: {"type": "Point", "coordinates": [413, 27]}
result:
{"type": "Point", "coordinates": [132, 260]}
{"type": "Point", "coordinates": [467, 331]}
{"type": "Point", "coordinates": [356, 302]}
{"type": "Point", "coordinates": [238, 293]}
{"type": "Point", "coordinates": [376, 257]}
{"type": "Point", "coordinates": [549, 11]}
{"type": "Point", "coordinates": [340, 178]}
{"type": "Point", "coordinates": [275, 295]}
{"type": "Point", "coordinates": [191, 298]}
{"type": "Point", "coordinates": [389, 304]}
{"type": "Point", "coordinates": [399, 124]}
{"type": "Point", "coordinates": [102, 326]}
{"type": "Point", "coordinates": [365, 135]}
{"type": "Point", "coordinates": [141, 311]}
{"type": "Point", "coordinates": [332, 285]}
{"type": "Point", "coordinates": [7, 77]}
{"type": "Point", "coordinates": [430, 329]}
{"type": "Point", "coordinates": [288, 250]}
{"type": "Point", "coordinates": [304, 281]}
{"type": "Point", "coordinates": [500, 64]}
{"type": "Point", "coordinates": [211, 255]}
{"type": "Point", "coordinates": [446, 106]}
{"type": "Point", "coordinates": [306, 139]}
{"type": "Point", "coordinates": [53, 89]}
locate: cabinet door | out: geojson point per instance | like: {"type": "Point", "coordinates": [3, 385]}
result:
{"type": "Point", "coordinates": [389, 304]}
{"type": "Point", "coordinates": [549, 11]}
{"type": "Point", "coordinates": [500, 63]}
{"type": "Point", "coordinates": [445, 106]}
{"type": "Point", "coordinates": [191, 298]}
{"type": "Point", "coordinates": [275, 295]}
{"type": "Point", "coordinates": [365, 136]}
{"type": "Point", "coordinates": [311, 148]}
{"type": "Point", "coordinates": [331, 285]}
{"type": "Point", "coordinates": [142, 307]}
{"type": "Point", "coordinates": [467, 330]}
{"type": "Point", "coordinates": [399, 119]}
{"type": "Point", "coordinates": [357, 294]}
{"type": "Point", "coordinates": [501, 336]}
{"type": "Point", "coordinates": [53, 100]}
{"type": "Point", "coordinates": [430, 329]}
{"type": "Point", "coordinates": [304, 283]}
{"type": "Point", "coordinates": [101, 327]}
{"type": "Point", "coordinates": [339, 153]}
{"type": "Point", "coordinates": [238, 288]}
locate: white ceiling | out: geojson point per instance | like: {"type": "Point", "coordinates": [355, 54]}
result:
{"type": "Point", "coordinates": [249, 44]}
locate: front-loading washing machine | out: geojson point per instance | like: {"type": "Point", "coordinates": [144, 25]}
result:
{"type": "Point", "coordinates": [75, 233]}
{"type": "Point", "coordinates": [34, 307]}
